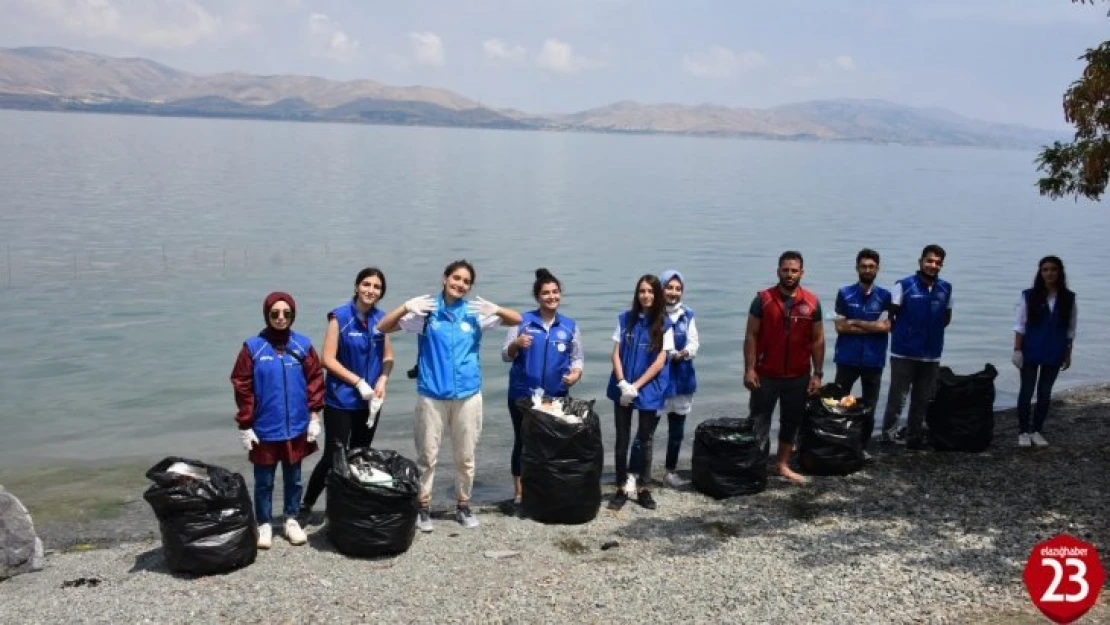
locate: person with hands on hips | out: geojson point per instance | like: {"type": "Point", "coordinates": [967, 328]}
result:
{"type": "Point", "coordinates": [1043, 335]}
{"type": "Point", "coordinates": [279, 390]}
{"type": "Point", "coordinates": [642, 341]}
{"type": "Point", "coordinates": [449, 379]}
{"type": "Point", "coordinates": [358, 358]}
{"type": "Point", "coordinates": [546, 353]}
{"type": "Point", "coordinates": [785, 333]}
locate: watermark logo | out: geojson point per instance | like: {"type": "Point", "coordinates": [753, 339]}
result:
{"type": "Point", "coordinates": [1064, 576]}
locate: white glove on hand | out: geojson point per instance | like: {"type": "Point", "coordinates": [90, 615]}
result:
{"type": "Point", "coordinates": [313, 430]}
{"type": "Point", "coordinates": [1018, 358]}
{"type": "Point", "coordinates": [628, 392]}
{"type": "Point", "coordinates": [481, 308]}
{"type": "Point", "coordinates": [421, 305]}
{"type": "Point", "coordinates": [375, 408]}
{"type": "Point", "coordinates": [249, 439]}
{"type": "Point", "coordinates": [364, 389]}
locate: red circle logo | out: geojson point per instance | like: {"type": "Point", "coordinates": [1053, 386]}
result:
{"type": "Point", "coordinates": [1064, 576]}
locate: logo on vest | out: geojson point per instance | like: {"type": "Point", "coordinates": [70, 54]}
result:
{"type": "Point", "coordinates": [465, 326]}
{"type": "Point", "coordinates": [561, 347]}
{"type": "Point", "coordinates": [265, 358]}
{"type": "Point", "coordinates": [561, 335]}
{"type": "Point", "coordinates": [804, 310]}
{"type": "Point", "coordinates": [681, 327]}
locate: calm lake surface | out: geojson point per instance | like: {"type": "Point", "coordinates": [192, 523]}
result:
{"type": "Point", "coordinates": [135, 253]}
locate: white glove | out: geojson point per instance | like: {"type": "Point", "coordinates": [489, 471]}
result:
{"type": "Point", "coordinates": [375, 408]}
{"type": "Point", "coordinates": [421, 305]}
{"type": "Point", "coordinates": [248, 438]}
{"type": "Point", "coordinates": [313, 430]}
{"type": "Point", "coordinates": [481, 308]}
{"type": "Point", "coordinates": [628, 392]}
{"type": "Point", "coordinates": [1018, 358]}
{"type": "Point", "coordinates": [364, 389]}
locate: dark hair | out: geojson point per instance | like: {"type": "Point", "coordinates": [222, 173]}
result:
{"type": "Point", "coordinates": [791, 255]}
{"type": "Point", "coordinates": [655, 314]}
{"type": "Point", "coordinates": [934, 249]}
{"type": "Point", "coordinates": [370, 272]}
{"type": "Point", "coordinates": [458, 264]}
{"type": "Point", "coordinates": [869, 254]}
{"type": "Point", "coordinates": [543, 276]}
{"type": "Point", "coordinates": [1038, 295]}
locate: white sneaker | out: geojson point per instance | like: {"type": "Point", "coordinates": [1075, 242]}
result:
{"type": "Point", "coordinates": [424, 521]}
{"type": "Point", "coordinates": [1038, 440]}
{"type": "Point", "coordinates": [674, 481]}
{"type": "Point", "coordinates": [1024, 440]}
{"type": "Point", "coordinates": [265, 536]}
{"type": "Point", "coordinates": [630, 487]}
{"type": "Point", "coordinates": [294, 532]}
{"type": "Point", "coordinates": [465, 517]}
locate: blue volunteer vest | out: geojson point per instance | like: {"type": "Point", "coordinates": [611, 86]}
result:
{"type": "Point", "coordinates": [449, 363]}
{"type": "Point", "coordinates": [918, 330]}
{"type": "Point", "coordinates": [1046, 342]}
{"type": "Point", "coordinates": [863, 350]}
{"type": "Point", "coordinates": [683, 379]}
{"type": "Point", "coordinates": [360, 350]}
{"type": "Point", "coordinates": [636, 357]}
{"type": "Point", "coordinates": [544, 364]}
{"type": "Point", "coordinates": [280, 389]}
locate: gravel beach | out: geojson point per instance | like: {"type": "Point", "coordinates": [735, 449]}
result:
{"type": "Point", "coordinates": [915, 537]}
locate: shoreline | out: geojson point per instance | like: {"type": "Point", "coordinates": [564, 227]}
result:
{"type": "Point", "coordinates": [915, 537]}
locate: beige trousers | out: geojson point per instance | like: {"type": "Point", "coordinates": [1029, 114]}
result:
{"type": "Point", "coordinates": [463, 418]}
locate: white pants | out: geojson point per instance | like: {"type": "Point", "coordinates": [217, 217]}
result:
{"type": "Point", "coordinates": [679, 404]}
{"type": "Point", "coordinates": [463, 418]}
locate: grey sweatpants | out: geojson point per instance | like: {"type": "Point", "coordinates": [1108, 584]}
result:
{"type": "Point", "coordinates": [907, 374]}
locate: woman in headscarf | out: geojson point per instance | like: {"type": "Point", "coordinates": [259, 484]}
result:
{"type": "Point", "coordinates": [279, 388]}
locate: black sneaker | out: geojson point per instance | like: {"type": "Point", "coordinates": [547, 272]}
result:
{"type": "Point", "coordinates": [618, 500]}
{"type": "Point", "coordinates": [645, 499]}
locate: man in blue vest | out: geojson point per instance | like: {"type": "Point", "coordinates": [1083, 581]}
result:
{"type": "Point", "coordinates": [863, 327]}
{"type": "Point", "coordinates": [921, 308]}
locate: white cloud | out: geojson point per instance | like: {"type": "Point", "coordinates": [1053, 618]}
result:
{"type": "Point", "coordinates": [427, 49]}
{"type": "Point", "coordinates": [147, 23]}
{"type": "Point", "coordinates": [845, 63]}
{"type": "Point", "coordinates": [560, 57]}
{"type": "Point", "coordinates": [500, 53]}
{"type": "Point", "coordinates": [326, 40]}
{"type": "Point", "coordinates": [721, 62]}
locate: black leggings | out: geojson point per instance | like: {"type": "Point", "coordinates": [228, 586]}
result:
{"type": "Point", "coordinates": [645, 434]}
{"type": "Point", "coordinates": [342, 428]}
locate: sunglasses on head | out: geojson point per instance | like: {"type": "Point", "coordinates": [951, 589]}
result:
{"type": "Point", "coordinates": [274, 314]}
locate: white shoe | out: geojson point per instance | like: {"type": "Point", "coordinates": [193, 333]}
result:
{"type": "Point", "coordinates": [265, 536]}
{"type": "Point", "coordinates": [294, 532]}
{"type": "Point", "coordinates": [424, 521]}
{"type": "Point", "coordinates": [1038, 440]}
{"type": "Point", "coordinates": [630, 487]}
{"type": "Point", "coordinates": [674, 481]}
{"type": "Point", "coordinates": [1024, 440]}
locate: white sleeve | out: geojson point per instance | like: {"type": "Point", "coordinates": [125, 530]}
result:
{"type": "Point", "coordinates": [1019, 320]}
{"type": "Point", "coordinates": [896, 294]}
{"type": "Point", "coordinates": [577, 360]}
{"type": "Point", "coordinates": [1074, 319]}
{"type": "Point", "coordinates": [668, 341]}
{"type": "Point", "coordinates": [510, 336]}
{"type": "Point", "coordinates": [692, 343]}
{"type": "Point", "coordinates": [412, 322]}
{"type": "Point", "coordinates": [490, 322]}
{"type": "Point", "coordinates": [617, 333]}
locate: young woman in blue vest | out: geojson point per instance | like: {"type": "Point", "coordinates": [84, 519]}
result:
{"type": "Point", "coordinates": [279, 389]}
{"type": "Point", "coordinates": [683, 379]}
{"type": "Point", "coordinates": [449, 379]}
{"type": "Point", "coordinates": [1043, 335]}
{"type": "Point", "coordinates": [358, 358]}
{"type": "Point", "coordinates": [546, 352]}
{"type": "Point", "coordinates": [642, 341]}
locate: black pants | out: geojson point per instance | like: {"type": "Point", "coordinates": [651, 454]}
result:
{"type": "Point", "coordinates": [871, 380]}
{"type": "Point", "coordinates": [517, 418]}
{"type": "Point", "coordinates": [1043, 384]}
{"type": "Point", "coordinates": [676, 424]}
{"type": "Point", "coordinates": [761, 404]}
{"type": "Point", "coordinates": [645, 434]}
{"type": "Point", "coordinates": [342, 428]}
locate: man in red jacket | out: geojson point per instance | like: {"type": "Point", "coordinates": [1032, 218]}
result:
{"type": "Point", "coordinates": [785, 334]}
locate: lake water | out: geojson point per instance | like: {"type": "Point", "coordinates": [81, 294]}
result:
{"type": "Point", "coordinates": [135, 253]}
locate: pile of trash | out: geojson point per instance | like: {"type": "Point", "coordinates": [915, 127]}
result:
{"type": "Point", "coordinates": [554, 406]}
{"type": "Point", "coordinates": [204, 514]}
{"type": "Point", "coordinates": [372, 502]}
{"type": "Point", "coordinates": [730, 458]}
{"type": "Point", "coordinates": [961, 414]}
{"type": "Point", "coordinates": [561, 459]}
{"type": "Point", "coordinates": [830, 441]}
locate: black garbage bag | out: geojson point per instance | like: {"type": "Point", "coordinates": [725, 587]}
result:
{"type": "Point", "coordinates": [961, 414]}
{"type": "Point", "coordinates": [561, 463]}
{"type": "Point", "coordinates": [205, 516]}
{"type": "Point", "coordinates": [372, 519]}
{"type": "Point", "coordinates": [729, 459]}
{"type": "Point", "coordinates": [830, 441]}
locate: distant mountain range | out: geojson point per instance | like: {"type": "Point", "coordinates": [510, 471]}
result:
{"type": "Point", "coordinates": [57, 79]}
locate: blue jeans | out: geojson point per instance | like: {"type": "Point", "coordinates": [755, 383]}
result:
{"type": "Point", "coordinates": [1029, 380]}
{"type": "Point", "coordinates": [676, 425]}
{"type": "Point", "coordinates": [264, 490]}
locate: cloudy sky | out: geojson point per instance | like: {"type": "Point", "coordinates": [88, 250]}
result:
{"type": "Point", "coordinates": [1001, 60]}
